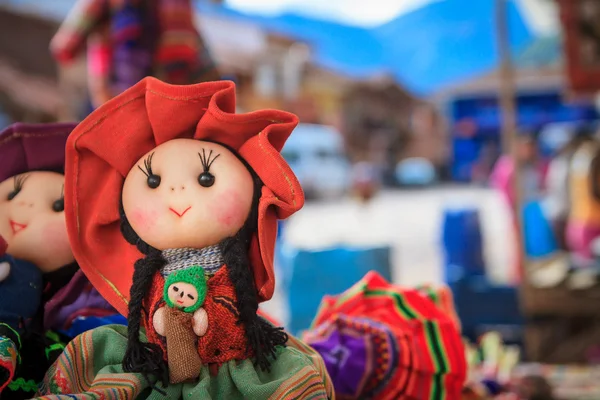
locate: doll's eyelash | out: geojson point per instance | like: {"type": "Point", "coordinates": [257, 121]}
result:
{"type": "Point", "coordinates": [207, 161]}
{"type": "Point", "coordinates": [18, 182]}
{"type": "Point", "coordinates": [147, 170]}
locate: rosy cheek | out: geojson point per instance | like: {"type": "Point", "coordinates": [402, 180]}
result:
{"type": "Point", "coordinates": [142, 219]}
{"type": "Point", "coordinates": [54, 235]}
{"type": "Point", "coordinates": [230, 210]}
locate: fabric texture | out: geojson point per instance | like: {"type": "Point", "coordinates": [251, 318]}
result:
{"type": "Point", "coordinates": [225, 339]}
{"type": "Point", "coordinates": [21, 293]}
{"type": "Point", "coordinates": [8, 361]}
{"type": "Point", "coordinates": [76, 299]}
{"type": "Point", "coordinates": [184, 361]}
{"type": "Point", "coordinates": [380, 341]}
{"type": "Point", "coordinates": [298, 373]}
{"type": "Point", "coordinates": [209, 258]}
{"type": "Point", "coordinates": [33, 147]}
{"type": "Point", "coordinates": [195, 277]}
{"type": "Point", "coordinates": [104, 147]}
{"type": "Point", "coordinates": [38, 352]}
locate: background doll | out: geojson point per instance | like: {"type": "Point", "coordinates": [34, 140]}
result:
{"type": "Point", "coordinates": [32, 222]}
{"type": "Point", "coordinates": [160, 194]}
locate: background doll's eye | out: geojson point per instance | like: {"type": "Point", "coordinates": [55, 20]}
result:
{"type": "Point", "coordinates": [59, 205]}
{"type": "Point", "coordinates": [206, 179]}
{"type": "Point", "coordinates": [153, 181]}
{"type": "Point", "coordinates": [175, 289]}
{"type": "Point", "coordinates": [190, 296]}
{"type": "Point", "coordinates": [13, 194]}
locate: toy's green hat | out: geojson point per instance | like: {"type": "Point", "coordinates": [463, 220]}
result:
{"type": "Point", "coordinates": [195, 277]}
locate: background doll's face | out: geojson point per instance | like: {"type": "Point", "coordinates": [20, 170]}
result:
{"type": "Point", "coordinates": [32, 219]}
{"type": "Point", "coordinates": [187, 194]}
{"type": "Point", "coordinates": [183, 294]}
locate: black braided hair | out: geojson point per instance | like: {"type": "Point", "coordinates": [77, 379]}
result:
{"type": "Point", "coordinates": [263, 338]}
{"type": "Point", "coordinates": [144, 358]}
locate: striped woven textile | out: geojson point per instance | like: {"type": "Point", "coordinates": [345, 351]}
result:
{"type": "Point", "coordinates": [379, 341]}
{"type": "Point", "coordinates": [444, 300]}
{"type": "Point", "coordinates": [90, 368]}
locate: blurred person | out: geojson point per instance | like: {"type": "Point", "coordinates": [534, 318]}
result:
{"type": "Point", "coordinates": [557, 199]}
{"type": "Point", "coordinates": [128, 40]}
{"type": "Point", "coordinates": [532, 173]}
{"type": "Point", "coordinates": [583, 224]}
{"type": "Point", "coordinates": [366, 180]}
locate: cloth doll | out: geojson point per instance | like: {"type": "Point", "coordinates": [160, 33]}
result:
{"type": "Point", "coordinates": [38, 261]}
{"type": "Point", "coordinates": [380, 341]}
{"type": "Point", "coordinates": [182, 321]}
{"type": "Point", "coordinates": [161, 179]}
{"type": "Point", "coordinates": [33, 225]}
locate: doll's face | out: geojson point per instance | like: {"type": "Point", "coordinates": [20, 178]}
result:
{"type": "Point", "coordinates": [32, 219]}
{"type": "Point", "coordinates": [183, 294]}
{"type": "Point", "coordinates": [187, 194]}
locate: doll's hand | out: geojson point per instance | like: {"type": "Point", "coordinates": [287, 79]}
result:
{"type": "Point", "coordinates": [4, 270]}
{"type": "Point", "coordinates": [200, 322]}
{"type": "Point", "coordinates": [158, 321]}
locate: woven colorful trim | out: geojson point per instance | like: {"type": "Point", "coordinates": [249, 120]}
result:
{"type": "Point", "coordinates": [8, 359]}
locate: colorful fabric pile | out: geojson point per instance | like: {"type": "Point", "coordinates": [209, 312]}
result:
{"type": "Point", "coordinates": [380, 341]}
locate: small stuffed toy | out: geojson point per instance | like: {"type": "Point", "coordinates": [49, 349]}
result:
{"type": "Point", "coordinates": [161, 180]}
{"type": "Point", "coordinates": [182, 321]}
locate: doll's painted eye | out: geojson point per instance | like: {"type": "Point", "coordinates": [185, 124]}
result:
{"type": "Point", "coordinates": [12, 194]}
{"type": "Point", "coordinates": [206, 179]}
{"type": "Point", "coordinates": [59, 205]}
{"type": "Point", "coordinates": [175, 289]}
{"type": "Point", "coordinates": [153, 181]}
{"type": "Point", "coordinates": [190, 297]}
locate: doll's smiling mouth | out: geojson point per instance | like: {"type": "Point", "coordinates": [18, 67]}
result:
{"type": "Point", "coordinates": [16, 227]}
{"type": "Point", "coordinates": [180, 214]}
{"type": "Point", "coordinates": [179, 301]}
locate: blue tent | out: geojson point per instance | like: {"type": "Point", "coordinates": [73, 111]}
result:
{"type": "Point", "coordinates": [425, 49]}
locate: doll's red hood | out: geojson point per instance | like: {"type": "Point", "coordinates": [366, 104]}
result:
{"type": "Point", "coordinates": [104, 147]}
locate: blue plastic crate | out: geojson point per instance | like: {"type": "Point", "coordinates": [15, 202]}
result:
{"type": "Point", "coordinates": [306, 276]}
{"type": "Point", "coordinates": [462, 243]}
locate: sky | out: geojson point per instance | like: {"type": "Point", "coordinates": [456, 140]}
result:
{"type": "Point", "coordinates": [352, 12]}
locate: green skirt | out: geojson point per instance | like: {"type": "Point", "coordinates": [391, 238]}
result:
{"type": "Point", "coordinates": [90, 368]}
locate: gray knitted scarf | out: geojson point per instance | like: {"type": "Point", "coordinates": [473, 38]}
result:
{"type": "Point", "coordinates": [209, 258]}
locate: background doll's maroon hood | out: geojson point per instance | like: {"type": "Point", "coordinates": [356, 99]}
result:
{"type": "Point", "coordinates": [33, 147]}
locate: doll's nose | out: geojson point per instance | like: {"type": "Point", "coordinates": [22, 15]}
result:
{"type": "Point", "coordinates": [181, 294]}
{"type": "Point", "coordinates": [24, 203]}
{"type": "Point", "coordinates": [177, 188]}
